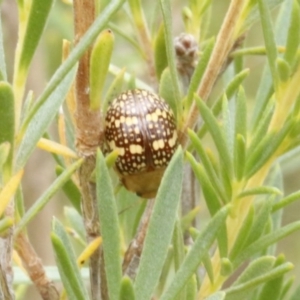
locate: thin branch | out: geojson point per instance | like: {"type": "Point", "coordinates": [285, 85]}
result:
{"type": "Point", "coordinates": [88, 134]}
{"type": "Point", "coordinates": [132, 256]}
{"type": "Point", "coordinates": [35, 268]}
{"type": "Point", "coordinates": [223, 46]}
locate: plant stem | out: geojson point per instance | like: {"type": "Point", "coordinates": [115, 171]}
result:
{"type": "Point", "coordinates": [225, 41]}
{"type": "Point", "coordinates": [88, 131]}
{"type": "Point", "coordinates": [35, 268]}
{"type": "Point", "coordinates": [134, 251]}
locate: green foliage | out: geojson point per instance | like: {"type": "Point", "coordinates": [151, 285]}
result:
{"type": "Point", "coordinates": [232, 153]}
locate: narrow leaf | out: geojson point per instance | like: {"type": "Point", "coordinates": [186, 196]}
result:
{"type": "Point", "coordinates": [42, 119]}
{"type": "Point", "coordinates": [217, 135]}
{"type": "Point", "coordinates": [54, 147]}
{"type": "Point", "coordinates": [109, 227]}
{"type": "Point", "coordinates": [283, 69]}
{"type": "Point", "coordinates": [7, 126]}
{"type": "Point", "coordinates": [99, 64]}
{"type": "Point", "coordinates": [71, 190]}
{"type": "Point", "coordinates": [209, 168]}
{"type": "Point", "coordinates": [191, 289]}
{"type": "Point", "coordinates": [241, 113]}
{"type": "Point", "coordinates": [293, 39]}
{"type": "Point", "coordinates": [260, 191]}
{"type": "Point", "coordinates": [269, 39]}
{"type": "Point", "coordinates": [166, 90]}
{"type": "Point", "coordinates": [260, 220]}
{"type": "Point", "coordinates": [3, 75]}
{"type": "Point", "coordinates": [160, 54]}
{"type": "Point", "coordinates": [211, 198]}
{"type": "Point", "coordinates": [239, 156]}
{"type": "Point", "coordinates": [167, 17]}
{"type": "Point", "coordinates": [242, 235]}
{"type": "Point", "coordinates": [286, 201]}
{"type": "Point", "coordinates": [114, 89]}
{"type": "Point", "coordinates": [266, 241]}
{"type": "Point", "coordinates": [160, 228]}
{"type": "Point", "coordinates": [39, 12]}
{"type": "Point", "coordinates": [199, 71]}
{"type": "Point", "coordinates": [196, 254]}
{"type": "Point", "coordinates": [66, 262]}
{"type": "Point", "coordinates": [47, 195]}
{"type": "Point", "coordinates": [254, 282]}
{"type": "Point", "coordinates": [126, 291]}
{"type": "Point", "coordinates": [9, 190]}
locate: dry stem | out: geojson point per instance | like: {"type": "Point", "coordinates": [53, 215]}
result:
{"type": "Point", "coordinates": [134, 251]}
{"type": "Point", "coordinates": [223, 46]}
{"type": "Point", "coordinates": [88, 125]}
{"type": "Point", "coordinates": [35, 268]}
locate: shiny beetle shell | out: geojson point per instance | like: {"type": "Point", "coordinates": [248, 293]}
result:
{"type": "Point", "coordinates": [142, 127]}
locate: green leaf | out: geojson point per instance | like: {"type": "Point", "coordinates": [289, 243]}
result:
{"type": "Point", "coordinates": [167, 18]}
{"type": "Point", "coordinates": [199, 71]}
{"type": "Point", "coordinates": [160, 228]}
{"type": "Point", "coordinates": [166, 90]}
{"type": "Point", "coordinates": [191, 289]}
{"type": "Point", "coordinates": [109, 227]}
{"type": "Point", "coordinates": [226, 267]}
{"type": "Point", "coordinates": [260, 220]}
{"type": "Point", "coordinates": [266, 148]}
{"type": "Point", "coordinates": [209, 168]}
{"type": "Point", "coordinates": [3, 75]}
{"type": "Point", "coordinates": [196, 254]}
{"type": "Point", "coordinates": [39, 12]}
{"type": "Point", "coordinates": [66, 262]}
{"type": "Point", "coordinates": [269, 39]}
{"type": "Point", "coordinates": [265, 86]}
{"type": "Point", "coordinates": [239, 156]}
{"type": "Point", "coordinates": [242, 235]}
{"type": "Point", "coordinates": [114, 89]}
{"type": "Point", "coordinates": [41, 120]}
{"type": "Point", "coordinates": [40, 203]}
{"type": "Point", "coordinates": [283, 69]}
{"type": "Point", "coordinates": [261, 128]}
{"type": "Point", "coordinates": [241, 113]}
{"type": "Point", "coordinates": [99, 64]}
{"type": "Point", "coordinates": [71, 190]}
{"type": "Point", "coordinates": [126, 290]}
{"type": "Point", "coordinates": [178, 246]}
{"type": "Point", "coordinates": [217, 296]}
{"type": "Point", "coordinates": [211, 197]}
{"type": "Point", "coordinates": [265, 241]}
{"type": "Point", "coordinates": [4, 153]}
{"type": "Point", "coordinates": [208, 267]}
{"type": "Point", "coordinates": [7, 126]}
{"type": "Point", "coordinates": [236, 291]}
{"type": "Point", "coordinates": [230, 90]}
{"type": "Point", "coordinates": [261, 190]}
{"type": "Point", "coordinates": [75, 221]}
{"type": "Point", "coordinates": [217, 135]}
{"type": "Point", "coordinates": [286, 201]}
{"type": "Point", "coordinates": [293, 39]}
{"type": "Point", "coordinates": [160, 54]}
{"type": "Point", "coordinates": [272, 288]}
{"type": "Point", "coordinates": [75, 54]}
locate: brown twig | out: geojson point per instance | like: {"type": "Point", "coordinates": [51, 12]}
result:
{"type": "Point", "coordinates": [132, 256]}
{"type": "Point", "coordinates": [35, 268]}
{"type": "Point", "coordinates": [225, 41]}
{"type": "Point", "coordinates": [88, 135]}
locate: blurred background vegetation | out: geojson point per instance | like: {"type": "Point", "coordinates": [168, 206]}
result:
{"type": "Point", "coordinates": [40, 171]}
